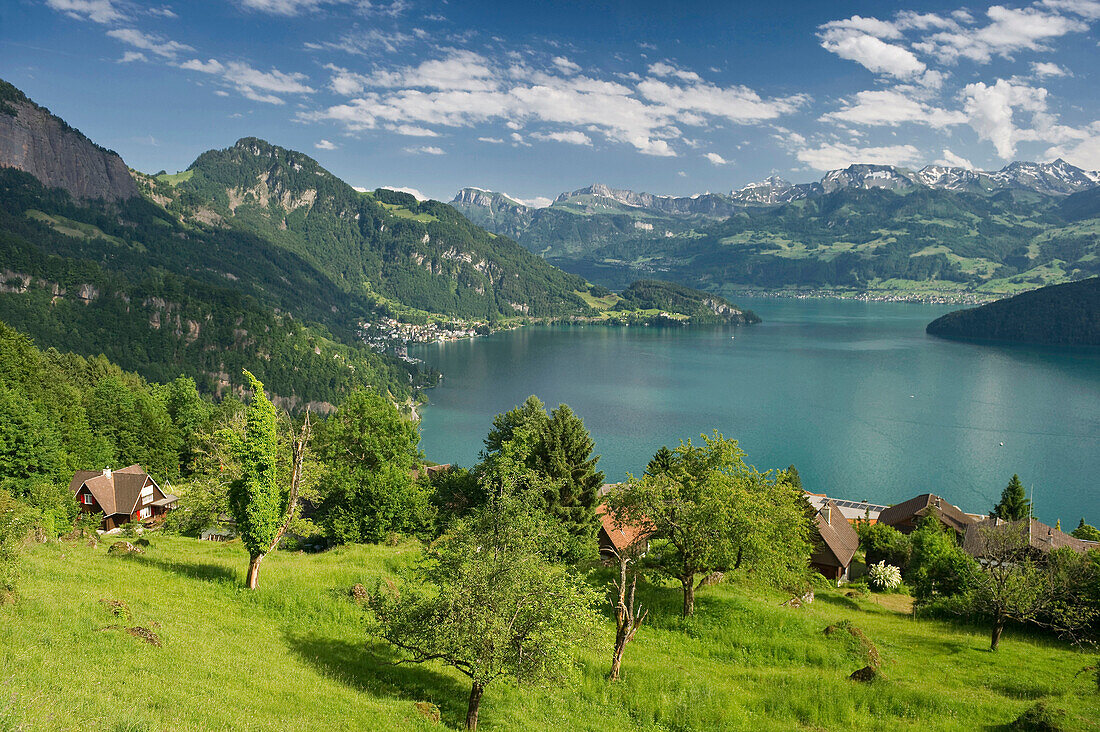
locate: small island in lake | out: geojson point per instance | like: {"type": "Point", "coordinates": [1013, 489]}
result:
{"type": "Point", "coordinates": [1062, 315]}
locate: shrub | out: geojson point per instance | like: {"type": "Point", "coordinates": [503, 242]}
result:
{"type": "Point", "coordinates": [13, 530]}
{"type": "Point", "coordinates": [883, 543]}
{"type": "Point", "coordinates": [884, 576]}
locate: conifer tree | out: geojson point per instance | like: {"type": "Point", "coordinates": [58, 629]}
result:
{"type": "Point", "coordinates": [1014, 505]}
{"type": "Point", "coordinates": [563, 453]}
{"type": "Point", "coordinates": [661, 462]}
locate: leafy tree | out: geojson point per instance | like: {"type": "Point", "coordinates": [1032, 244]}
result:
{"type": "Point", "coordinates": [661, 462]}
{"type": "Point", "coordinates": [526, 421]}
{"type": "Point", "coordinates": [712, 512]}
{"type": "Point", "coordinates": [883, 543]}
{"type": "Point", "coordinates": [367, 491]}
{"type": "Point", "coordinates": [563, 454]}
{"type": "Point", "coordinates": [258, 505]}
{"type": "Point", "coordinates": [1086, 532]}
{"type": "Point", "coordinates": [938, 566]}
{"type": "Point", "coordinates": [189, 414]}
{"type": "Point", "coordinates": [489, 601]}
{"type": "Point", "coordinates": [29, 446]}
{"type": "Point", "coordinates": [1014, 504]}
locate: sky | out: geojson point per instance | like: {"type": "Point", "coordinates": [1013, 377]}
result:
{"type": "Point", "coordinates": [533, 99]}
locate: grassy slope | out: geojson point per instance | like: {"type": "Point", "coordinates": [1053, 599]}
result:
{"type": "Point", "coordinates": [293, 656]}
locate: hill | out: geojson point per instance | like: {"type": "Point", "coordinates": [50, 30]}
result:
{"type": "Point", "coordinates": [699, 306]}
{"type": "Point", "coordinates": [1064, 315]}
{"type": "Point", "coordinates": [870, 228]}
{"type": "Point", "coordinates": [294, 654]}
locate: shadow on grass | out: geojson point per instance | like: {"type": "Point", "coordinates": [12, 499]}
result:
{"type": "Point", "coordinates": [838, 601]}
{"type": "Point", "coordinates": [370, 668]}
{"type": "Point", "coordinates": [205, 571]}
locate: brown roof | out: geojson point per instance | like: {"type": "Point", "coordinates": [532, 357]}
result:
{"type": "Point", "coordinates": [118, 493]}
{"type": "Point", "coordinates": [922, 505]}
{"type": "Point", "coordinates": [1040, 537]}
{"type": "Point", "coordinates": [836, 533]}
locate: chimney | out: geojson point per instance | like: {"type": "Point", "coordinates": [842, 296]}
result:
{"type": "Point", "coordinates": [107, 473]}
{"type": "Point", "coordinates": [827, 510]}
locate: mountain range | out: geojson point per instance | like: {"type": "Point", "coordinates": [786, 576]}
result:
{"type": "Point", "coordinates": [938, 229]}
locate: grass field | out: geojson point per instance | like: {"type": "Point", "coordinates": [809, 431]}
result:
{"type": "Point", "coordinates": [294, 655]}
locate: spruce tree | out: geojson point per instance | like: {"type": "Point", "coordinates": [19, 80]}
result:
{"type": "Point", "coordinates": [661, 462]}
{"type": "Point", "coordinates": [1014, 505]}
{"type": "Point", "coordinates": [563, 453]}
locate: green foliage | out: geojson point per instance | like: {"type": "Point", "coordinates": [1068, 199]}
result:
{"type": "Point", "coordinates": [700, 306]}
{"type": "Point", "coordinates": [712, 512]}
{"type": "Point", "coordinates": [1066, 314]}
{"type": "Point", "coordinates": [563, 454]}
{"type": "Point", "coordinates": [1088, 532]}
{"type": "Point", "coordinates": [521, 425]}
{"type": "Point", "coordinates": [1040, 717]}
{"type": "Point", "coordinates": [1014, 504]}
{"type": "Point", "coordinates": [883, 543]}
{"type": "Point", "coordinates": [661, 462]}
{"type": "Point", "coordinates": [369, 450]}
{"type": "Point", "coordinates": [489, 601]}
{"type": "Point", "coordinates": [884, 576]}
{"type": "Point", "coordinates": [255, 498]}
{"type": "Point", "coordinates": [938, 566]}
{"type": "Point", "coordinates": [14, 525]}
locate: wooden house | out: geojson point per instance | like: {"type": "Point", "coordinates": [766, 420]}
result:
{"type": "Point", "coordinates": [121, 496]}
{"type": "Point", "coordinates": [906, 515]}
{"type": "Point", "coordinates": [835, 544]}
{"type": "Point", "coordinates": [1038, 538]}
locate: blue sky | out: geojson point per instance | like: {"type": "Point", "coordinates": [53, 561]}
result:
{"type": "Point", "coordinates": [537, 98]}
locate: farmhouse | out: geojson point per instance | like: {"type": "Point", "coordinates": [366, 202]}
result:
{"type": "Point", "coordinates": [905, 515]}
{"type": "Point", "coordinates": [835, 544]}
{"type": "Point", "coordinates": [124, 495]}
{"type": "Point", "coordinates": [614, 538]}
{"type": "Point", "coordinates": [1040, 539]}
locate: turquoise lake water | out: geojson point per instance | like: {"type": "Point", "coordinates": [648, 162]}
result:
{"type": "Point", "coordinates": [856, 395]}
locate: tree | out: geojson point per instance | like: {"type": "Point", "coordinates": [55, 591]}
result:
{"type": "Point", "coordinates": [1008, 583]}
{"type": "Point", "coordinates": [883, 543]}
{"type": "Point", "coordinates": [369, 452]}
{"type": "Point", "coordinates": [563, 453]}
{"type": "Point", "coordinates": [711, 512]}
{"type": "Point", "coordinates": [938, 566]}
{"type": "Point", "coordinates": [258, 505]}
{"type": "Point", "coordinates": [628, 615]}
{"type": "Point", "coordinates": [489, 601]}
{"type": "Point", "coordinates": [526, 420]}
{"type": "Point", "coordinates": [1014, 505]}
{"type": "Point", "coordinates": [1086, 532]}
{"type": "Point", "coordinates": [188, 412]}
{"type": "Point", "coordinates": [661, 462]}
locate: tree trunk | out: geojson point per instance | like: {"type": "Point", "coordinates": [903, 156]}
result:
{"type": "Point", "coordinates": [998, 628]}
{"type": "Point", "coordinates": [617, 659]}
{"type": "Point", "coordinates": [254, 571]}
{"type": "Point", "coordinates": [689, 595]}
{"type": "Point", "coordinates": [475, 701]}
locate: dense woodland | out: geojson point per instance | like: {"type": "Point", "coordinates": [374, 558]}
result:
{"type": "Point", "coordinates": [1059, 315]}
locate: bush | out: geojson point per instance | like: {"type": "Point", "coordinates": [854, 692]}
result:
{"type": "Point", "coordinates": [14, 524]}
{"type": "Point", "coordinates": [883, 543]}
{"type": "Point", "coordinates": [938, 566]}
{"type": "Point", "coordinates": [883, 576]}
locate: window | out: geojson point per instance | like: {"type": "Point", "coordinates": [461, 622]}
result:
{"type": "Point", "coordinates": [86, 499]}
{"type": "Point", "coordinates": [147, 499]}
{"type": "Point", "coordinates": [145, 513]}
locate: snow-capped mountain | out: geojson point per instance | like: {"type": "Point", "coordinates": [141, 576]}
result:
{"type": "Point", "coordinates": [1059, 177]}
{"type": "Point", "coordinates": [773, 190]}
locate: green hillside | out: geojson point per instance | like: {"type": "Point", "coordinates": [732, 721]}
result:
{"type": "Point", "coordinates": [1067, 315]}
{"type": "Point", "coordinates": [294, 655]}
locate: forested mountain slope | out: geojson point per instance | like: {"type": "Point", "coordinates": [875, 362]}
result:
{"type": "Point", "coordinates": [1067, 314]}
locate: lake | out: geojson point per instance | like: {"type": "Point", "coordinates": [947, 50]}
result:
{"type": "Point", "coordinates": [854, 394]}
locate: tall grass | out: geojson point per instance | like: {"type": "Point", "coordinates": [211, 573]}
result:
{"type": "Point", "coordinates": [294, 655]}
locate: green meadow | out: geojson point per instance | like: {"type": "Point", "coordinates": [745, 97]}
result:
{"type": "Point", "coordinates": [295, 655]}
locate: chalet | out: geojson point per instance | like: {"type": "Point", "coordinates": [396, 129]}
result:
{"type": "Point", "coordinates": [1040, 539]}
{"type": "Point", "coordinates": [852, 510]}
{"type": "Point", "coordinates": [124, 495]}
{"type": "Point", "coordinates": [613, 538]}
{"type": "Point", "coordinates": [835, 544]}
{"type": "Point", "coordinates": [906, 515]}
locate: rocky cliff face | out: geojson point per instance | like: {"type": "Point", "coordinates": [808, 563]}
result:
{"type": "Point", "coordinates": [35, 141]}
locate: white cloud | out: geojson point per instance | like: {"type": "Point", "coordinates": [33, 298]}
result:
{"type": "Point", "coordinates": [890, 107]}
{"type": "Point", "coordinates": [870, 26]}
{"type": "Point", "coordinates": [297, 7]}
{"type": "Point", "coordinates": [412, 131]}
{"type": "Point", "coordinates": [364, 42]}
{"type": "Point", "coordinates": [1085, 8]}
{"type": "Point", "coordinates": [251, 82]}
{"type": "Point", "coordinates": [97, 11]}
{"type": "Point", "coordinates": [663, 69]}
{"type": "Point", "coordinates": [149, 42]}
{"type": "Point", "coordinates": [427, 150]}
{"type": "Point", "coordinates": [325, 145]}
{"type": "Point", "coordinates": [491, 140]}
{"type": "Point", "coordinates": [1085, 154]}
{"type": "Point", "coordinates": [1009, 30]}
{"type": "Point", "coordinates": [130, 56]}
{"type": "Point", "coordinates": [573, 137]}
{"type": "Point", "coordinates": [715, 158]}
{"type": "Point", "coordinates": [465, 89]}
{"type": "Point", "coordinates": [871, 52]}
{"type": "Point", "coordinates": [831, 156]}
{"type": "Point", "coordinates": [1044, 69]}
{"type": "Point", "coordinates": [565, 65]}
{"type": "Point", "coordinates": [991, 110]}
{"type": "Point", "coordinates": [952, 160]}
